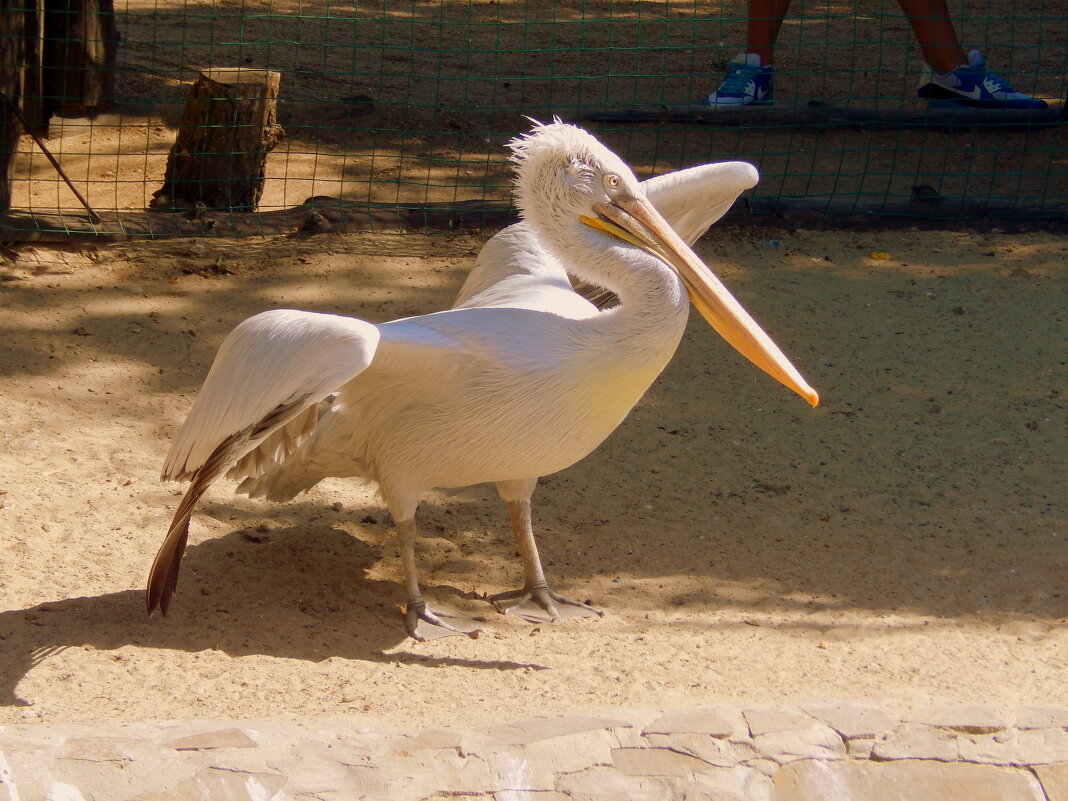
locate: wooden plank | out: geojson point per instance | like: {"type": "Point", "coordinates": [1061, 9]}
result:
{"type": "Point", "coordinates": [784, 118]}
{"type": "Point", "coordinates": [330, 215]}
{"type": "Point", "coordinates": [316, 215]}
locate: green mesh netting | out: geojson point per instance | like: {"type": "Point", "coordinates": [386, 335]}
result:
{"type": "Point", "coordinates": [408, 103]}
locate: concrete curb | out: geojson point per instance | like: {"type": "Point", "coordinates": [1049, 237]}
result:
{"type": "Point", "coordinates": [832, 750]}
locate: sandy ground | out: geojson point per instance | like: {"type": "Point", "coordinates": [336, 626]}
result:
{"type": "Point", "coordinates": [905, 542]}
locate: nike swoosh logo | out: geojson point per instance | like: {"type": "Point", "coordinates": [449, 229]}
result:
{"type": "Point", "coordinates": [974, 94]}
{"type": "Point", "coordinates": [760, 94]}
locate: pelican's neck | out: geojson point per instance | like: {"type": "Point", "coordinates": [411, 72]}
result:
{"type": "Point", "coordinates": [652, 299]}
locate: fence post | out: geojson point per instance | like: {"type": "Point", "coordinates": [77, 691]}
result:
{"type": "Point", "coordinates": [219, 156]}
{"type": "Point", "coordinates": [80, 47]}
{"type": "Point", "coordinates": [12, 56]}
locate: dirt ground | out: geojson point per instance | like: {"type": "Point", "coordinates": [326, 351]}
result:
{"type": "Point", "coordinates": [904, 542]}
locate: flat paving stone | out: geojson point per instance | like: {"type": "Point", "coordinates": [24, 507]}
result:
{"type": "Point", "coordinates": [607, 784]}
{"type": "Point", "coordinates": [767, 721]}
{"type": "Point", "coordinates": [970, 719]}
{"type": "Point", "coordinates": [1044, 745]}
{"type": "Point", "coordinates": [826, 750]}
{"type": "Point", "coordinates": [816, 741]}
{"type": "Point", "coordinates": [212, 784]}
{"type": "Point", "coordinates": [693, 721]}
{"type": "Point", "coordinates": [916, 741]}
{"type": "Point", "coordinates": [535, 766]}
{"type": "Point", "coordinates": [426, 772]}
{"type": "Point", "coordinates": [103, 749]}
{"type": "Point", "coordinates": [1054, 779]}
{"type": "Point", "coordinates": [428, 741]}
{"type": "Point", "coordinates": [532, 729]}
{"type": "Point", "coordinates": [739, 783]}
{"type": "Point", "coordinates": [1041, 718]}
{"type": "Point", "coordinates": [656, 762]}
{"type": "Point", "coordinates": [714, 750]}
{"type": "Point", "coordinates": [217, 738]}
{"type": "Point", "coordinates": [851, 720]}
{"type": "Point", "coordinates": [906, 780]}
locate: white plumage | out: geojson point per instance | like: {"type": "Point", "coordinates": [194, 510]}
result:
{"type": "Point", "coordinates": [521, 378]}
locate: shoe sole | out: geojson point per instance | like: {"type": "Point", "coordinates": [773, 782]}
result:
{"type": "Point", "coordinates": [937, 97]}
{"type": "Point", "coordinates": [996, 105]}
{"type": "Point", "coordinates": [727, 106]}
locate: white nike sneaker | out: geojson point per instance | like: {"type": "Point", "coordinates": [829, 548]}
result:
{"type": "Point", "coordinates": [973, 84]}
{"type": "Point", "coordinates": [747, 83]}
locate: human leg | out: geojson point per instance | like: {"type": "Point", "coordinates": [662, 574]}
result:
{"type": "Point", "coordinates": [765, 22]}
{"type": "Point", "coordinates": [935, 33]}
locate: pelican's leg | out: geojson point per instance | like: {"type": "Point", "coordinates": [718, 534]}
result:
{"type": "Point", "coordinates": [535, 601]}
{"type": "Point", "coordinates": [422, 623]}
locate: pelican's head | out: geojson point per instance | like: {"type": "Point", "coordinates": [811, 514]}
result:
{"type": "Point", "coordinates": [561, 173]}
{"type": "Point", "coordinates": [566, 178]}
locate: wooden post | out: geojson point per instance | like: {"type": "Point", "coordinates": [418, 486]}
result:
{"type": "Point", "coordinates": [228, 126]}
{"type": "Point", "coordinates": [33, 105]}
{"type": "Point", "coordinates": [12, 56]}
{"type": "Point", "coordinates": [80, 46]}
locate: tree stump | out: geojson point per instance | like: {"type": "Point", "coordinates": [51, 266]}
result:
{"type": "Point", "coordinates": [228, 127]}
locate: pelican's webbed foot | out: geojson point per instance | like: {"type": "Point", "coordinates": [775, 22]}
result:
{"type": "Point", "coordinates": [541, 605]}
{"type": "Point", "coordinates": [424, 624]}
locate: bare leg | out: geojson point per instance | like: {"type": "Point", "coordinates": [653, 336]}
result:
{"type": "Point", "coordinates": [765, 21]}
{"type": "Point", "coordinates": [422, 623]}
{"type": "Point", "coordinates": [930, 22]}
{"type": "Point", "coordinates": [535, 601]}
{"type": "Point", "coordinates": [934, 31]}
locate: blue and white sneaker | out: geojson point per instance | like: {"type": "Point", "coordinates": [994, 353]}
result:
{"type": "Point", "coordinates": [973, 84]}
{"type": "Point", "coordinates": [747, 83]}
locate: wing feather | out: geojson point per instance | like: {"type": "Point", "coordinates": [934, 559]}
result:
{"type": "Point", "coordinates": [258, 403]}
{"type": "Point", "coordinates": [266, 362]}
{"type": "Point", "coordinates": [693, 199]}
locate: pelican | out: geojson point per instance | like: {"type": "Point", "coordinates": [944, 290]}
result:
{"type": "Point", "coordinates": [523, 377]}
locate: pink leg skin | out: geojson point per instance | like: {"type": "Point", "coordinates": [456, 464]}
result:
{"type": "Point", "coordinates": [421, 622]}
{"type": "Point", "coordinates": [535, 602]}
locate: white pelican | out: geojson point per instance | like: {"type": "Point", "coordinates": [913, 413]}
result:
{"type": "Point", "coordinates": [522, 378]}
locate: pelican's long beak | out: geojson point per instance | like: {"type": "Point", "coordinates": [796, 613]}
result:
{"type": "Point", "coordinates": [635, 220]}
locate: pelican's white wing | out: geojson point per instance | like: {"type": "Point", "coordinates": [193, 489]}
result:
{"type": "Point", "coordinates": [693, 199]}
{"type": "Point", "coordinates": [269, 370]}
{"type": "Point", "coordinates": [513, 269]}
{"type": "Point", "coordinates": [257, 403]}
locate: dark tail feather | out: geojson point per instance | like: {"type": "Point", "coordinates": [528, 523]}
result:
{"type": "Point", "coordinates": [163, 577]}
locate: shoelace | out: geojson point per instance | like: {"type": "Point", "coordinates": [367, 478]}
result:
{"type": "Point", "coordinates": [736, 81]}
{"type": "Point", "coordinates": [982, 74]}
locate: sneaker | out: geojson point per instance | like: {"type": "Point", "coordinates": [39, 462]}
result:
{"type": "Point", "coordinates": [974, 85]}
{"type": "Point", "coordinates": [747, 83]}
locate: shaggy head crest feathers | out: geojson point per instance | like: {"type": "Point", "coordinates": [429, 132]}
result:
{"type": "Point", "coordinates": [557, 166]}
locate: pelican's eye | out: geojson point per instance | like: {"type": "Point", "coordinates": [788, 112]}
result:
{"type": "Point", "coordinates": [611, 182]}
